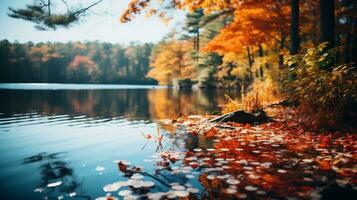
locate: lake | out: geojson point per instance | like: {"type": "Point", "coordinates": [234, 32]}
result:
{"type": "Point", "coordinates": [60, 141]}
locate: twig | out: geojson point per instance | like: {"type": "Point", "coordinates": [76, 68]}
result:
{"type": "Point", "coordinates": [157, 179]}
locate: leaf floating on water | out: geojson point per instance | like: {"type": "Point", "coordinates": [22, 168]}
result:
{"type": "Point", "coordinates": [282, 171]}
{"type": "Point", "coordinates": [191, 158]}
{"type": "Point", "coordinates": [193, 190]}
{"type": "Point", "coordinates": [156, 196]}
{"type": "Point", "coordinates": [194, 164]}
{"type": "Point", "coordinates": [132, 182]}
{"type": "Point", "coordinates": [147, 184]}
{"type": "Point", "coordinates": [122, 167]}
{"type": "Point", "coordinates": [223, 177]}
{"type": "Point", "coordinates": [248, 168]}
{"type": "Point", "coordinates": [182, 194]}
{"type": "Point", "coordinates": [253, 176]}
{"type": "Point", "coordinates": [250, 188]}
{"type": "Point", "coordinates": [72, 194]}
{"type": "Point", "coordinates": [233, 181]}
{"type": "Point", "coordinates": [255, 163]}
{"type": "Point", "coordinates": [242, 162]}
{"type": "Point", "coordinates": [131, 197]}
{"type": "Point", "coordinates": [190, 176]}
{"type": "Point", "coordinates": [230, 191]}
{"type": "Point", "coordinates": [106, 198]}
{"type": "Point", "coordinates": [171, 195]}
{"type": "Point", "coordinates": [307, 160]}
{"type": "Point", "coordinates": [197, 150]}
{"type": "Point", "coordinates": [137, 176]}
{"type": "Point", "coordinates": [178, 187]}
{"type": "Point", "coordinates": [39, 190]}
{"type": "Point", "coordinates": [55, 184]}
{"type": "Point", "coordinates": [114, 186]}
{"type": "Point", "coordinates": [99, 168]}
{"type": "Point", "coordinates": [110, 188]}
{"type": "Point", "coordinates": [261, 192]}
{"type": "Point", "coordinates": [124, 193]}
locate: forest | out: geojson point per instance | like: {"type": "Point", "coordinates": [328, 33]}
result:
{"type": "Point", "coordinates": [303, 52]}
{"type": "Point", "coordinates": [74, 62]}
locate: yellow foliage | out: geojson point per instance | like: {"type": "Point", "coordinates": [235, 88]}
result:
{"type": "Point", "coordinates": [171, 61]}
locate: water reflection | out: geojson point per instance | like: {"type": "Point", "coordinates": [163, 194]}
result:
{"type": "Point", "coordinates": [139, 104]}
{"type": "Point", "coordinates": [93, 128]}
{"type": "Point", "coordinates": [57, 176]}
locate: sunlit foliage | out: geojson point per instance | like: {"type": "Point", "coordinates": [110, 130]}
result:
{"type": "Point", "coordinates": [171, 62]}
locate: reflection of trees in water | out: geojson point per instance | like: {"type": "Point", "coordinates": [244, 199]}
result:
{"type": "Point", "coordinates": [169, 103]}
{"type": "Point", "coordinates": [131, 104]}
{"type": "Point", "coordinates": [53, 169]}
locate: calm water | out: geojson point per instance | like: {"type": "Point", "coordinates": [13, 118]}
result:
{"type": "Point", "coordinates": [73, 133]}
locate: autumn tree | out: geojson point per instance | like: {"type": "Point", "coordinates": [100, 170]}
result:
{"type": "Point", "coordinates": [193, 26]}
{"type": "Point", "coordinates": [170, 62]}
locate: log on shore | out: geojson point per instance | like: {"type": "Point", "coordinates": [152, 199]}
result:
{"type": "Point", "coordinates": [240, 116]}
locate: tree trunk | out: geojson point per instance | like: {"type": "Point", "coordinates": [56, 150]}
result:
{"type": "Point", "coordinates": [295, 41]}
{"type": "Point", "coordinates": [327, 17]}
{"type": "Point", "coordinates": [250, 62]}
{"type": "Point", "coordinates": [198, 40]}
{"type": "Point", "coordinates": [347, 49]}
{"type": "Point", "coordinates": [261, 54]}
{"type": "Point", "coordinates": [281, 56]}
{"type": "Point", "coordinates": [353, 52]}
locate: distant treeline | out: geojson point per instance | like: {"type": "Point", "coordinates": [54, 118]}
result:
{"type": "Point", "coordinates": [75, 62]}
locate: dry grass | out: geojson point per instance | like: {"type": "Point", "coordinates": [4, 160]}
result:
{"type": "Point", "coordinates": [259, 95]}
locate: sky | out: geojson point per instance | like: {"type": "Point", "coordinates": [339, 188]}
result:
{"type": "Point", "coordinates": [101, 23]}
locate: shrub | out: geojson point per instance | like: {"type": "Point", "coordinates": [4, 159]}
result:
{"type": "Point", "coordinates": [326, 93]}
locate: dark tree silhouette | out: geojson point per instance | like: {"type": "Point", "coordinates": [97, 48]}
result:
{"type": "Point", "coordinates": [41, 14]}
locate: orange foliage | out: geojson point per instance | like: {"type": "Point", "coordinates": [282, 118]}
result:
{"type": "Point", "coordinates": [253, 24]}
{"type": "Point", "coordinates": [134, 7]}
{"type": "Point", "coordinates": [42, 53]}
{"type": "Point", "coordinates": [82, 61]}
